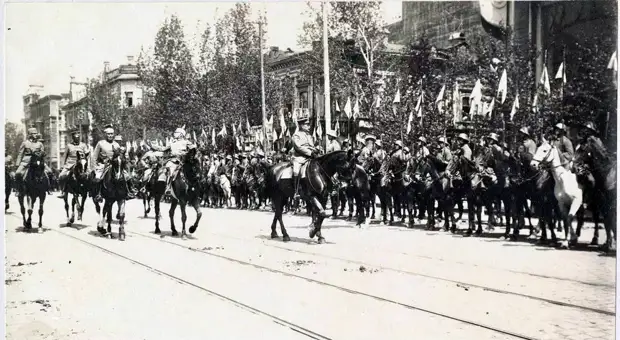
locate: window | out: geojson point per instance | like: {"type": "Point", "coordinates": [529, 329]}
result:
{"type": "Point", "coordinates": [129, 99]}
{"type": "Point", "coordinates": [303, 100]}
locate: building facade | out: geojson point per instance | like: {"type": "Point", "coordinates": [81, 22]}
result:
{"type": "Point", "coordinates": [45, 114]}
{"type": "Point", "coordinates": [122, 82]}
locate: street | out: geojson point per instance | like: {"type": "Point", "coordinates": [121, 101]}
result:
{"type": "Point", "coordinates": [229, 280]}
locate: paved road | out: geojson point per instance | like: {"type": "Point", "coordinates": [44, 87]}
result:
{"type": "Point", "coordinates": [230, 281]}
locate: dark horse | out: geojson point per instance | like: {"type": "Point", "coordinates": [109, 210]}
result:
{"type": "Point", "coordinates": [77, 185]}
{"type": "Point", "coordinates": [313, 188]}
{"type": "Point", "coordinates": [186, 190]}
{"type": "Point", "coordinates": [155, 189]}
{"type": "Point", "coordinates": [113, 190]}
{"type": "Point", "coordinates": [34, 186]}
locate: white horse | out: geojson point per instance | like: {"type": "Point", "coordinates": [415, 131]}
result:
{"type": "Point", "coordinates": [567, 191]}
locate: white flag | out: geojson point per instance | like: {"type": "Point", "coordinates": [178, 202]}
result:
{"type": "Point", "coordinates": [397, 96]}
{"type": "Point", "coordinates": [561, 74]}
{"type": "Point", "coordinates": [535, 103]}
{"type": "Point", "coordinates": [476, 92]}
{"type": "Point", "coordinates": [356, 108]}
{"type": "Point", "coordinates": [418, 106]}
{"type": "Point", "coordinates": [613, 62]}
{"type": "Point", "coordinates": [503, 86]}
{"type": "Point", "coordinates": [544, 80]}
{"type": "Point", "coordinates": [234, 131]}
{"type": "Point", "coordinates": [439, 100]}
{"type": "Point", "coordinates": [337, 107]}
{"type": "Point", "coordinates": [409, 121]}
{"type": "Point", "coordinates": [347, 108]}
{"type": "Point", "coordinates": [515, 107]}
{"type": "Point", "coordinates": [488, 111]}
{"type": "Point", "coordinates": [213, 137]}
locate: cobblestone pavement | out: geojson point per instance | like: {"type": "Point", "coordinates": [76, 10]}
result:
{"type": "Point", "coordinates": [369, 283]}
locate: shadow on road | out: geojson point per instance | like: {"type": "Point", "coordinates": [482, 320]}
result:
{"type": "Point", "coordinates": [33, 230]}
{"type": "Point", "coordinates": [168, 233]}
{"type": "Point", "coordinates": [76, 226]}
{"type": "Point", "coordinates": [293, 239]}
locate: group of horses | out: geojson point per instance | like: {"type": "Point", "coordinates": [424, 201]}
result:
{"type": "Point", "coordinates": [418, 188]}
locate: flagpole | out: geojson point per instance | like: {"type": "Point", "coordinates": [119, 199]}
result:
{"type": "Point", "coordinates": [262, 83]}
{"type": "Point", "coordinates": [327, 89]}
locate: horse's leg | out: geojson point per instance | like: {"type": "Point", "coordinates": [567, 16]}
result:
{"type": "Point", "coordinates": [30, 201]}
{"type": "Point", "coordinates": [22, 208]}
{"type": "Point", "coordinates": [183, 206]}
{"type": "Point", "coordinates": [596, 219]}
{"type": "Point", "coordinates": [41, 202]}
{"type": "Point", "coordinates": [430, 211]}
{"type": "Point", "coordinates": [74, 200]}
{"type": "Point", "coordinates": [121, 220]}
{"type": "Point", "coordinates": [471, 206]}
{"type": "Point", "coordinates": [107, 212]}
{"type": "Point", "coordinates": [173, 206]}
{"type": "Point", "coordinates": [574, 207]}
{"type": "Point", "coordinates": [81, 206]}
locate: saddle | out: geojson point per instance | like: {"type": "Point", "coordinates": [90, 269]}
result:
{"type": "Point", "coordinates": [287, 172]}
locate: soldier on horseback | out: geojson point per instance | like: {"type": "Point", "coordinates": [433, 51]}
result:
{"type": "Point", "coordinates": [103, 153]}
{"type": "Point", "coordinates": [379, 154]}
{"type": "Point", "coordinates": [148, 161]}
{"type": "Point", "coordinates": [464, 150]}
{"type": "Point", "coordinates": [178, 149]}
{"type": "Point", "coordinates": [332, 142]}
{"type": "Point", "coordinates": [29, 147]}
{"type": "Point", "coordinates": [564, 145]}
{"type": "Point", "coordinates": [303, 149]}
{"type": "Point", "coordinates": [367, 150]}
{"type": "Point", "coordinates": [444, 156]}
{"type": "Point", "coordinates": [529, 145]}
{"type": "Point", "coordinates": [422, 150]}
{"type": "Point", "coordinates": [71, 155]}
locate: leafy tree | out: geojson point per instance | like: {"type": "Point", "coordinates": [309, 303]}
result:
{"type": "Point", "coordinates": [13, 139]}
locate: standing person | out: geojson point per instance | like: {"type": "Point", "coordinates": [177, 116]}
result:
{"type": "Point", "coordinates": [71, 154]}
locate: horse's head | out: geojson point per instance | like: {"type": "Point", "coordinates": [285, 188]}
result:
{"type": "Point", "coordinates": [36, 160]}
{"type": "Point", "coordinates": [118, 163]}
{"type": "Point", "coordinates": [335, 162]}
{"type": "Point", "coordinates": [80, 170]}
{"type": "Point", "coordinates": [545, 154]}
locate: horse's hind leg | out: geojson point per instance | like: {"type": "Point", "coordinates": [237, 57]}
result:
{"type": "Point", "coordinates": [41, 201]}
{"type": "Point", "coordinates": [73, 203]}
{"type": "Point", "coordinates": [81, 207]}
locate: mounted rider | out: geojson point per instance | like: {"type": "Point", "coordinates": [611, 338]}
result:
{"type": "Point", "coordinates": [332, 142]}
{"type": "Point", "coordinates": [564, 145]}
{"type": "Point", "coordinates": [380, 154]}
{"type": "Point", "coordinates": [500, 157]}
{"type": "Point", "coordinates": [148, 161]}
{"type": "Point", "coordinates": [422, 150]}
{"type": "Point", "coordinates": [303, 148]}
{"type": "Point", "coordinates": [588, 140]}
{"type": "Point", "coordinates": [103, 152]}
{"type": "Point", "coordinates": [529, 145]}
{"type": "Point", "coordinates": [177, 149]}
{"type": "Point", "coordinates": [29, 147]}
{"type": "Point", "coordinates": [444, 156]}
{"type": "Point", "coordinates": [71, 155]}
{"type": "Point", "coordinates": [367, 150]}
{"type": "Point", "coordinates": [464, 150]}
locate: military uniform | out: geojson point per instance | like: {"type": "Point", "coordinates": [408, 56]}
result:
{"type": "Point", "coordinates": [71, 155]}
{"type": "Point", "coordinates": [103, 152]}
{"type": "Point", "coordinates": [303, 147]}
{"type": "Point", "coordinates": [565, 148]}
{"type": "Point", "coordinates": [444, 156]}
{"type": "Point", "coordinates": [380, 155]}
{"type": "Point", "coordinates": [333, 146]}
{"type": "Point", "coordinates": [26, 150]}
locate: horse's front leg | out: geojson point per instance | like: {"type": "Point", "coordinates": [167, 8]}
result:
{"type": "Point", "coordinates": [81, 206]}
{"type": "Point", "coordinates": [107, 212]}
{"type": "Point", "coordinates": [196, 205]}
{"type": "Point", "coordinates": [74, 200]}
{"type": "Point", "coordinates": [572, 211]}
{"type": "Point", "coordinates": [30, 202]}
{"type": "Point", "coordinates": [22, 209]}
{"type": "Point", "coordinates": [121, 219]}
{"type": "Point", "coordinates": [41, 201]}
{"type": "Point", "coordinates": [173, 206]}
{"type": "Point", "coordinates": [65, 199]}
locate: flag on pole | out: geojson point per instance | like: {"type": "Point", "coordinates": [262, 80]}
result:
{"type": "Point", "coordinates": [409, 121]}
{"type": "Point", "coordinates": [535, 103]}
{"type": "Point", "coordinates": [347, 108]}
{"type": "Point", "coordinates": [319, 131]}
{"type": "Point", "coordinates": [240, 127]}
{"type": "Point", "coordinates": [356, 108]}
{"type": "Point", "coordinates": [476, 92]}
{"type": "Point", "coordinates": [234, 130]}
{"type": "Point", "coordinates": [337, 107]}
{"type": "Point", "coordinates": [213, 137]}
{"type": "Point", "coordinates": [90, 120]}
{"type": "Point", "coordinates": [439, 100]}
{"type": "Point", "coordinates": [544, 81]}
{"type": "Point", "coordinates": [488, 110]}
{"type": "Point", "coordinates": [222, 131]}
{"type": "Point", "coordinates": [396, 97]}
{"type": "Point", "coordinates": [515, 107]}
{"type": "Point", "coordinates": [295, 119]}
{"type": "Point", "coordinates": [613, 62]}
{"type": "Point", "coordinates": [203, 133]}
{"type": "Point", "coordinates": [283, 126]}
{"type": "Point", "coordinates": [274, 135]}
{"type": "Point", "coordinates": [194, 135]}
{"type": "Point", "coordinates": [503, 86]}
{"type": "Point", "coordinates": [247, 123]}
{"type": "Point", "coordinates": [561, 74]}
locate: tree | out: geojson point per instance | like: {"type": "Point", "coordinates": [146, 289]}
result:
{"type": "Point", "coordinates": [170, 77]}
{"type": "Point", "coordinates": [13, 139]}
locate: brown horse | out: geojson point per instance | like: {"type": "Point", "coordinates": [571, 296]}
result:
{"type": "Point", "coordinates": [314, 184]}
{"type": "Point", "coordinates": [77, 186]}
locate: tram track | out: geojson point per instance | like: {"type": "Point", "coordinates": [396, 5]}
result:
{"type": "Point", "coordinates": [434, 277]}
{"type": "Point", "coordinates": [505, 332]}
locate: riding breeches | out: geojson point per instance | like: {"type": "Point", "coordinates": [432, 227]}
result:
{"type": "Point", "coordinates": [297, 166]}
{"type": "Point", "coordinates": [21, 171]}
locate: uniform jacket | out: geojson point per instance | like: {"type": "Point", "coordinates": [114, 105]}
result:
{"type": "Point", "coordinates": [104, 150]}
{"type": "Point", "coordinates": [365, 154]}
{"type": "Point", "coordinates": [303, 144]}
{"type": "Point", "coordinates": [27, 149]}
{"type": "Point", "coordinates": [444, 155]}
{"type": "Point", "coordinates": [380, 155]}
{"type": "Point", "coordinates": [333, 146]}
{"type": "Point", "coordinates": [466, 152]}
{"type": "Point", "coordinates": [72, 151]}
{"type": "Point", "coordinates": [530, 146]}
{"type": "Point", "coordinates": [565, 147]}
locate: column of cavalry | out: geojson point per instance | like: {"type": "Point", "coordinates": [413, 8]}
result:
{"type": "Point", "coordinates": [552, 179]}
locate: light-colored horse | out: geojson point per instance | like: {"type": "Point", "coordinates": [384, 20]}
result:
{"type": "Point", "coordinates": [567, 191]}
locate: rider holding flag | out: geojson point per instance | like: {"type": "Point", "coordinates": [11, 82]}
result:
{"type": "Point", "coordinates": [71, 155]}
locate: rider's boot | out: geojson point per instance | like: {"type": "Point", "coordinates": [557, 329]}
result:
{"type": "Point", "coordinates": [130, 191]}
{"type": "Point", "coordinates": [295, 187]}
{"type": "Point", "coordinates": [98, 197]}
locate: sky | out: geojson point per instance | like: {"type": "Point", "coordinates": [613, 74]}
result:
{"type": "Point", "coordinates": [46, 43]}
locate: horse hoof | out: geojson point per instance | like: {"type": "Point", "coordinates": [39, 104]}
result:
{"type": "Point", "coordinates": [468, 233]}
{"type": "Point", "coordinates": [71, 220]}
{"type": "Point", "coordinates": [174, 233]}
{"type": "Point", "coordinates": [192, 229]}
{"type": "Point", "coordinates": [274, 235]}
{"type": "Point", "coordinates": [321, 240]}
{"type": "Point", "coordinates": [157, 231]}
{"type": "Point", "coordinates": [564, 245]}
{"type": "Point", "coordinates": [594, 241]}
{"type": "Point", "coordinates": [312, 233]}
{"type": "Point", "coordinates": [286, 238]}
{"type": "Point", "coordinates": [121, 237]}
{"type": "Point", "coordinates": [183, 236]}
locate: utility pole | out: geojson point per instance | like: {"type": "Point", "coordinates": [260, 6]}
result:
{"type": "Point", "coordinates": [262, 83]}
{"type": "Point", "coordinates": [328, 113]}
